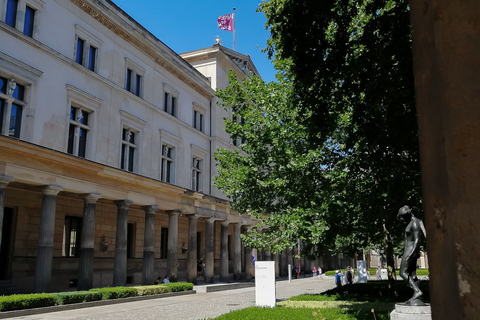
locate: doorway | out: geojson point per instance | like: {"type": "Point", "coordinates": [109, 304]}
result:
{"type": "Point", "coordinates": [6, 249]}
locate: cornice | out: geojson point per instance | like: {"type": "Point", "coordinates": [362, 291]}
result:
{"type": "Point", "coordinates": [92, 11]}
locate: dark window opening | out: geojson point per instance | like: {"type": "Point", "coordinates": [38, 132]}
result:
{"type": "Point", "coordinates": [72, 236]}
{"type": "Point", "coordinates": [163, 243]}
{"type": "Point", "coordinates": [130, 240]}
{"type": "Point", "coordinates": [29, 19]}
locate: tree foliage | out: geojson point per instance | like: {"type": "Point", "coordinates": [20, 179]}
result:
{"type": "Point", "coordinates": [331, 150]}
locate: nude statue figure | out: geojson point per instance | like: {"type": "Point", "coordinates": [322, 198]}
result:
{"type": "Point", "coordinates": [413, 234]}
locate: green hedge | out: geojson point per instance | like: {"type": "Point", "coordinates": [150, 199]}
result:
{"type": "Point", "coordinates": [26, 301]}
{"type": "Point", "coordinates": [153, 289]}
{"type": "Point", "coordinates": [77, 297]}
{"type": "Point", "coordinates": [37, 300]}
{"type": "Point", "coordinates": [116, 292]}
{"type": "Point", "coordinates": [178, 286]}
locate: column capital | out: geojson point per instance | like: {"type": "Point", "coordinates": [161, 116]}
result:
{"type": "Point", "coordinates": [192, 216]}
{"type": "Point", "coordinates": [151, 209]}
{"type": "Point", "coordinates": [225, 223]}
{"type": "Point", "coordinates": [91, 197]}
{"type": "Point", "coordinates": [175, 212]}
{"type": "Point", "coordinates": [123, 204]}
{"type": "Point", "coordinates": [211, 220]}
{"type": "Point", "coordinates": [4, 180]}
{"type": "Point", "coordinates": [51, 190]}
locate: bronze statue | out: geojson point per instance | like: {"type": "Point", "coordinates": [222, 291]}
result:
{"type": "Point", "coordinates": [411, 253]}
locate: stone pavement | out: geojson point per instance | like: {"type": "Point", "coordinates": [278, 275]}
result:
{"type": "Point", "coordinates": [187, 307]}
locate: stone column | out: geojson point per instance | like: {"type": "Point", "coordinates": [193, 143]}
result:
{"type": "Point", "coordinates": [4, 180]}
{"type": "Point", "coordinates": [237, 252]}
{"type": "Point", "coordinates": [120, 260]}
{"type": "Point", "coordinates": [43, 263]}
{"type": "Point", "coordinates": [209, 250]}
{"type": "Point", "coordinates": [172, 255]}
{"type": "Point", "coordinates": [192, 249]}
{"type": "Point", "coordinates": [148, 267]}
{"type": "Point", "coordinates": [224, 251]}
{"type": "Point", "coordinates": [87, 245]}
{"type": "Point", "coordinates": [447, 74]}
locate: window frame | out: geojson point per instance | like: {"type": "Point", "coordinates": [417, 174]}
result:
{"type": "Point", "coordinates": [87, 102]}
{"type": "Point", "coordinates": [126, 163]}
{"type": "Point", "coordinates": [20, 15]}
{"type": "Point", "coordinates": [11, 103]}
{"type": "Point", "coordinates": [67, 241]}
{"type": "Point", "coordinates": [134, 80]}
{"type": "Point", "coordinates": [172, 141]}
{"type": "Point", "coordinates": [197, 178]}
{"type": "Point", "coordinates": [170, 103]}
{"type": "Point", "coordinates": [199, 117]}
{"type": "Point", "coordinates": [27, 76]}
{"type": "Point", "coordinates": [200, 154]}
{"type": "Point", "coordinates": [89, 41]}
{"type": "Point", "coordinates": [78, 142]}
{"type": "Point", "coordinates": [136, 125]}
{"type": "Point", "coordinates": [167, 163]}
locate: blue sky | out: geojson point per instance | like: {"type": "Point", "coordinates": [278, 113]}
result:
{"type": "Point", "coordinates": [186, 25]}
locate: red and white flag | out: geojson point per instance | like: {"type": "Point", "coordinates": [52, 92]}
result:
{"type": "Point", "coordinates": [225, 22]}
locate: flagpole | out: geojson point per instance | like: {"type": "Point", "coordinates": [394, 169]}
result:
{"type": "Point", "coordinates": [233, 29]}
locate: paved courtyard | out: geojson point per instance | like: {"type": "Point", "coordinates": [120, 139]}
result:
{"type": "Point", "coordinates": [187, 307]}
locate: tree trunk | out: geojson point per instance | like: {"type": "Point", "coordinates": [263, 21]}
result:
{"type": "Point", "coordinates": [389, 254]}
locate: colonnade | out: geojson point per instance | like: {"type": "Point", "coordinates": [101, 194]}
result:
{"type": "Point", "coordinates": [43, 263]}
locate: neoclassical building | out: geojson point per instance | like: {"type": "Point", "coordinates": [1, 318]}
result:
{"type": "Point", "coordinates": [106, 154]}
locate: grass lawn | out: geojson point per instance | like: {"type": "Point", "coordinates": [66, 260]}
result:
{"type": "Point", "coordinates": [360, 301]}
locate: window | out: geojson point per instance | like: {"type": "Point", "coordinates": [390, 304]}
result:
{"type": "Point", "coordinates": [128, 149]}
{"type": "Point", "coordinates": [12, 97]}
{"type": "Point", "coordinates": [86, 48]}
{"type": "Point", "coordinates": [77, 133]}
{"type": "Point", "coordinates": [167, 174]}
{"type": "Point", "coordinates": [170, 104]}
{"type": "Point", "coordinates": [133, 82]}
{"type": "Point", "coordinates": [170, 100]}
{"type": "Point", "coordinates": [134, 78]}
{"type": "Point", "coordinates": [28, 22]}
{"type": "Point", "coordinates": [163, 243]}
{"type": "Point", "coordinates": [198, 117]}
{"type": "Point", "coordinates": [131, 240]}
{"type": "Point", "coordinates": [196, 174]}
{"type": "Point", "coordinates": [86, 54]}
{"type": "Point", "coordinates": [238, 140]}
{"type": "Point", "coordinates": [71, 236]}
{"type": "Point", "coordinates": [11, 14]}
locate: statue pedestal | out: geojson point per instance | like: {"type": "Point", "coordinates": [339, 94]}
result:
{"type": "Point", "coordinates": [407, 312]}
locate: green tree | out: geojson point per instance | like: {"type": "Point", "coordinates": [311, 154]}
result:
{"type": "Point", "coordinates": [331, 153]}
{"type": "Point", "coordinates": [353, 58]}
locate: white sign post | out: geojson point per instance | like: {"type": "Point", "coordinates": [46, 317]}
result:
{"type": "Point", "coordinates": [265, 284]}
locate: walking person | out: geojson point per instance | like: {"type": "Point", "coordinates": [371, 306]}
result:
{"type": "Point", "coordinates": [338, 278]}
